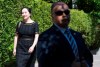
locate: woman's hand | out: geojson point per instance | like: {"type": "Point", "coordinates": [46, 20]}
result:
{"type": "Point", "coordinates": [76, 64]}
{"type": "Point", "coordinates": [84, 64]}
{"type": "Point", "coordinates": [31, 49]}
{"type": "Point", "coordinates": [14, 52]}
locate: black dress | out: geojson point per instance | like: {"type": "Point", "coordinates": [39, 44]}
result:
{"type": "Point", "coordinates": [26, 33]}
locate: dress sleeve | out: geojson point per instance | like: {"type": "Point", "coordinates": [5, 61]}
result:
{"type": "Point", "coordinates": [17, 27]}
{"type": "Point", "coordinates": [36, 28]}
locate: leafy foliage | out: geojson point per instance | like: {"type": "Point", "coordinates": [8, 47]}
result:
{"type": "Point", "coordinates": [10, 15]}
{"type": "Point", "coordinates": [81, 22]}
{"type": "Point", "coordinates": [86, 5]}
{"type": "Point", "coordinates": [95, 16]}
{"type": "Point", "coordinates": [41, 14]}
{"type": "Point", "coordinates": [66, 1]}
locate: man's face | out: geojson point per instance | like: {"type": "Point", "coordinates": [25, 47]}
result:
{"type": "Point", "coordinates": [61, 15]}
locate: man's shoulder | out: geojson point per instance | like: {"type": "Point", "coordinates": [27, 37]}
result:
{"type": "Point", "coordinates": [75, 32]}
{"type": "Point", "coordinates": [46, 33]}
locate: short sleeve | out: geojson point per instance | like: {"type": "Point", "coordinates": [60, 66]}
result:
{"type": "Point", "coordinates": [16, 29]}
{"type": "Point", "coordinates": [36, 27]}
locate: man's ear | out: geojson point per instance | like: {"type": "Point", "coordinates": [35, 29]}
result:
{"type": "Point", "coordinates": [52, 15]}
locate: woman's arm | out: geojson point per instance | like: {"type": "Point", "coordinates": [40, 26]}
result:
{"type": "Point", "coordinates": [34, 43]}
{"type": "Point", "coordinates": [35, 40]}
{"type": "Point", "coordinates": [15, 44]}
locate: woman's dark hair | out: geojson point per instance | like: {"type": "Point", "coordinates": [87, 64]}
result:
{"type": "Point", "coordinates": [29, 9]}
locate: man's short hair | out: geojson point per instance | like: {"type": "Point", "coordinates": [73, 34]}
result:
{"type": "Point", "coordinates": [56, 3]}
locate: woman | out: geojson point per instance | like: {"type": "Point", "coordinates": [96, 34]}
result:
{"type": "Point", "coordinates": [25, 40]}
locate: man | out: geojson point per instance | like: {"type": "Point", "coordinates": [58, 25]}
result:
{"type": "Point", "coordinates": [55, 49]}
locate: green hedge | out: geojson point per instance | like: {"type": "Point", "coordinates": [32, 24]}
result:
{"type": "Point", "coordinates": [10, 15]}
{"type": "Point", "coordinates": [82, 22]}
{"type": "Point", "coordinates": [41, 14]}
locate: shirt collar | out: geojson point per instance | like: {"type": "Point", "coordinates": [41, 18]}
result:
{"type": "Point", "coordinates": [61, 29]}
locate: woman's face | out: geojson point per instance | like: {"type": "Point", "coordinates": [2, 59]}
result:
{"type": "Point", "coordinates": [25, 14]}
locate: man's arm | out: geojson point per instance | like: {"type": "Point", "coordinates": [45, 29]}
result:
{"type": "Point", "coordinates": [87, 55]}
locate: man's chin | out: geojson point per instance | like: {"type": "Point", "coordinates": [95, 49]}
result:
{"type": "Point", "coordinates": [64, 21]}
{"type": "Point", "coordinates": [63, 25]}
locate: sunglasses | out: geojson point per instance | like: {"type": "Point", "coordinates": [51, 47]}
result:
{"type": "Point", "coordinates": [59, 13]}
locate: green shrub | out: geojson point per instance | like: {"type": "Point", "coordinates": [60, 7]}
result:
{"type": "Point", "coordinates": [42, 15]}
{"type": "Point", "coordinates": [81, 22]}
{"type": "Point", "coordinates": [10, 15]}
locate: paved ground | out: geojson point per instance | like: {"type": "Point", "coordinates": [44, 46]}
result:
{"type": "Point", "coordinates": [96, 61]}
{"type": "Point", "coordinates": [96, 57]}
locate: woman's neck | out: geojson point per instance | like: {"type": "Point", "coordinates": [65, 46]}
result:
{"type": "Point", "coordinates": [29, 20]}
